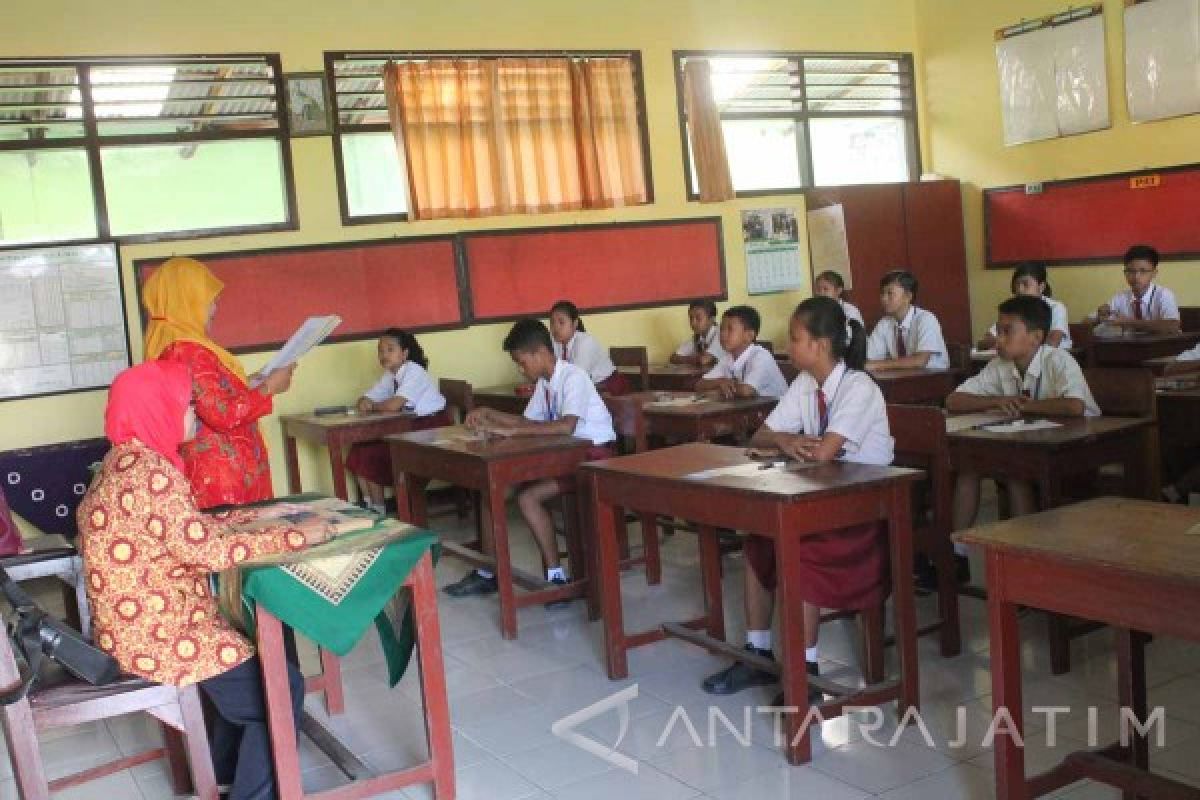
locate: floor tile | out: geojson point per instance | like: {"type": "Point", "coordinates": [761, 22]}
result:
{"type": "Point", "coordinates": [880, 769]}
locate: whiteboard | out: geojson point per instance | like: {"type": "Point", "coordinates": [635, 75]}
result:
{"type": "Point", "coordinates": [1162, 59]}
{"type": "Point", "coordinates": [62, 319]}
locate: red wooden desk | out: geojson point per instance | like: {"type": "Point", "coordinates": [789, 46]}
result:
{"type": "Point", "coordinates": [490, 467]}
{"type": "Point", "coordinates": [1133, 350]}
{"type": "Point", "coordinates": [707, 419]}
{"type": "Point", "coordinates": [502, 398]}
{"type": "Point", "coordinates": [783, 505]}
{"type": "Point", "coordinates": [337, 432]}
{"type": "Point", "coordinates": [666, 377]}
{"type": "Point", "coordinates": [917, 386]}
{"type": "Point", "coordinates": [1125, 563]}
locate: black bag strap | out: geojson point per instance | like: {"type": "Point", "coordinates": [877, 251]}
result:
{"type": "Point", "coordinates": [26, 639]}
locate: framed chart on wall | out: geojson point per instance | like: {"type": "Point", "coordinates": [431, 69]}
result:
{"type": "Point", "coordinates": [62, 319]}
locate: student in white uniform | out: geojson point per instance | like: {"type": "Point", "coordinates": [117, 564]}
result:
{"type": "Point", "coordinates": [747, 369]}
{"type": "Point", "coordinates": [1145, 306]}
{"type": "Point", "coordinates": [703, 348]}
{"type": "Point", "coordinates": [572, 343]}
{"type": "Point", "coordinates": [1029, 278]}
{"type": "Point", "coordinates": [833, 411]}
{"type": "Point", "coordinates": [830, 284]}
{"type": "Point", "coordinates": [564, 402]}
{"type": "Point", "coordinates": [905, 337]}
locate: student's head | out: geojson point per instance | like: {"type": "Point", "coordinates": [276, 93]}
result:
{"type": "Point", "coordinates": [1021, 327]}
{"type": "Point", "coordinates": [897, 291]}
{"type": "Point", "coordinates": [1029, 278]}
{"type": "Point", "coordinates": [531, 348]}
{"type": "Point", "coordinates": [397, 346]}
{"type": "Point", "coordinates": [819, 333]}
{"type": "Point", "coordinates": [564, 321]}
{"type": "Point", "coordinates": [829, 284]}
{"type": "Point", "coordinates": [739, 328]}
{"type": "Point", "coordinates": [1141, 266]}
{"type": "Point", "coordinates": [701, 315]}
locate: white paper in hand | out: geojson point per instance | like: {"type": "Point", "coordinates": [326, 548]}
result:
{"type": "Point", "coordinates": [307, 336]}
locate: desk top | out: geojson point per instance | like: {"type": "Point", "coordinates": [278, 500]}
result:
{"type": "Point", "coordinates": [505, 389]}
{"type": "Point", "coordinates": [1108, 533]}
{"type": "Point", "coordinates": [348, 420]}
{"type": "Point", "coordinates": [1185, 340]}
{"type": "Point", "coordinates": [705, 407]}
{"type": "Point", "coordinates": [888, 375]}
{"type": "Point", "coordinates": [1071, 430]}
{"type": "Point", "coordinates": [680, 465]}
{"type": "Point", "coordinates": [666, 369]}
{"type": "Point", "coordinates": [457, 439]}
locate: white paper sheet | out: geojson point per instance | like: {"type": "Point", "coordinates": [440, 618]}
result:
{"type": "Point", "coordinates": [307, 336]}
{"type": "Point", "coordinates": [1081, 76]}
{"type": "Point", "coordinates": [1162, 59]}
{"type": "Point", "coordinates": [827, 246]}
{"type": "Point", "coordinates": [966, 422]}
{"type": "Point", "coordinates": [1028, 89]}
{"type": "Point", "coordinates": [1023, 425]}
{"type": "Point", "coordinates": [752, 470]}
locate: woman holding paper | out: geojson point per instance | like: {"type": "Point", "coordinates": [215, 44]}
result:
{"type": "Point", "coordinates": [227, 461]}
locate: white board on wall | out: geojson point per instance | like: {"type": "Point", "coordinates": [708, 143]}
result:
{"type": "Point", "coordinates": [1162, 59]}
{"type": "Point", "coordinates": [1081, 76]}
{"type": "Point", "coordinates": [1028, 92]}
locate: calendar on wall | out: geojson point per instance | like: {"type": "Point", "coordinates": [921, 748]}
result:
{"type": "Point", "coordinates": [772, 242]}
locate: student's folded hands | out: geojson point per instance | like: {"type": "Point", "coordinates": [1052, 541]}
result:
{"type": "Point", "coordinates": [1013, 406]}
{"type": "Point", "coordinates": [798, 446]}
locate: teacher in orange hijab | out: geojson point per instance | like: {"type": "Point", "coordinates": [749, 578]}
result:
{"type": "Point", "coordinates": [227, 461]}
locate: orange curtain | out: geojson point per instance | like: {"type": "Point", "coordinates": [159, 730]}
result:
{"type": "Point", "coordinates": [704, 129]}
{"type": "Point", "coordinates": [610, 142]}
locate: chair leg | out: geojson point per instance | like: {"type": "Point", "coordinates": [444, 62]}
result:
{"type": "Point", "coordinates": [23, 753]}
{"type": "Point", "coordinates": [872, 644]}
{"type": "Point", "coordinates": [1059, 631]}
{"type": "Point", "coordinates": [175, 744]}
{"type": "Point", "coordinates": [195, 739]}
{"type": "Point", "coordinates": [650, 549]}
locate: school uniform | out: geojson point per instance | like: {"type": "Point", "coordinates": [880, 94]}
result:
{"type": "Point", "coordinates": [1052, 374]}
{"type": "Point", "coordinates": [756, 367]}
{"type": "Point", "coordinates": [851, 311]}
{"type": "Point", "coordinates": [1157, 302]}
{"type": "Point", "coordinates": [571, 393]}
{"type": "Point", "coordinates": [846, 568]}
{"type": "Point", "coordinates": [1058, 322]}
{"type": "Point", "coordinates": [586, 352]}
{"type": "Point", "coordinates": [371, 460]}
{"type": "Point", "coordinates": [708, 343]}
{"type": "Point", "coordinates": [918, 332]}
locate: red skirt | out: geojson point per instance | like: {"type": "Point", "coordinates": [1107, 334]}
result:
{"type": "Point", "coordinates": [616, 384]}
{"type": "Point", "coordinates": [597, 452]}
{"type": "Point", "coordinates": [372, 461]}
{"type": "Point", "coordinates": [845, 569]}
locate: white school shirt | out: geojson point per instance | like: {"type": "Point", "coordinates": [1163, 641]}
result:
{"type": "Point", "coordinates": [756, 367]}
{"type": "Point", "coordinates": [588, 354]}
{"type": "Point", "coordinates": [1058, 322]}
{"type": "Point", "coordinates": [412, 383]}
{"type": "Point", "coordinates": [922, 334]}
{"type": "Point", "coordinates": [856, 409]}
{"type": "Point", "coordinates": [570, 393]}
{"type": "Point", "coordinates": [1157, 303]}
{"type": "Point", "coordinates": [712, 344]}
{"type": "Point", "coordinates": [1189, 355]}
{"type": "Point", "coordinates": [851, 311]}
{"type": "Point", "coordinates": [1053, 373]}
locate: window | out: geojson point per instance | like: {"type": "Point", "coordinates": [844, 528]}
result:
{"type": "Point", "coordinates": [372, 184]}
{"type": "Point", "coordinates": [142, 149]}
{"type": "Point", "coordinates": [795, 120]}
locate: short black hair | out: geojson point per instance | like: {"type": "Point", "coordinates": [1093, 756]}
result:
{"type": "Point", "coordinates": [832, 277]}
{"type": "Point", "coordinates": [709, 307]}
{"type": "Point", "coordinates": [747, 315]}
{"type": "Point", "coordinates": [1033, 311]}
{"type": "Point", "coordinates": [1143, 252]}
{"type": "Point", "coordinates": [902, 278]}
{"type": "Point", "coordinates": [1031, 269]}
{"type": "Point", "coordinates": [528, 336]}
{"type": "Point", "coordinates": [571, 310]}
{"type": "Point", "coordinates": [409, 342]}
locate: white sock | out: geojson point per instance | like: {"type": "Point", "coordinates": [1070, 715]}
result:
{"type": "Point", "coordinates": [759, 640]}
{"type": "Point", "coordinates": [556, 572]}
{"type": "Point", "coordinates": [810, 654]}
{"type": "Point", "coordinates": [485, 573]}
{"type": "Point", "coordinates": [960, 549]}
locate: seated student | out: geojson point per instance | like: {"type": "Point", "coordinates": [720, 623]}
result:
{"type": "Point", "coordinates": [746, 369]}
{"type": "Point", "coordinates": [573, 344]}
{"type": "Point", "coordinates": [404, 386]}
{"type": "Point", "coordinates": [704, 347]}
{"type": "Point", "coordinates": [1146, 306]}
{"type": "Point", "coordinates": [1026, 377]}
{"type": "Point", "coordinates": [830, 284]}
{"type": "Point", "coordinates": [906, 337]}
{"type": "Point", "coordinates": [564, 402]}
{"type": "Point", "coordinates": [1029, 278]}
{"type": "Point", "coordinates": [833, 411]}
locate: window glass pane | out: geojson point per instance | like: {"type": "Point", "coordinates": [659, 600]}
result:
{"type": "Point", "coordinates": [193, 186]}
{"type": "Point", "coordinates": [45, 195]}
{"type": "Point", "coordinates": [763, 153]}
{"type": "Point", "coordinates": [862, 150]}
{"type": "Point", "coordinates": [374, 180]}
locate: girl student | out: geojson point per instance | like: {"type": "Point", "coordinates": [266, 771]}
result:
{"type": "Point", "coordinates": [832, 411]}
{"type": "Point", "coordinates": [404, 386]}
{"type": "Point", "coordinates": [1029, 278]}
{"type": "Point", "coordinates": [830, 284]}
{"type": "Point", "coordinates": [703, 348]}
{"type": "Point", "coordinates": [573, 344]}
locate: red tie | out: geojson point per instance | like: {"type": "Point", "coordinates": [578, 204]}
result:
{"type": "Point", "coordinates": [901, 347]}
{"type": "Point", "coordinates": [822, 412]}
{"type": "Point", "coordinates": [1137, 308]}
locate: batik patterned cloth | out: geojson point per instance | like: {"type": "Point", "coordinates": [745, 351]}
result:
{"type": "Point", "coordinates": [45, 485]}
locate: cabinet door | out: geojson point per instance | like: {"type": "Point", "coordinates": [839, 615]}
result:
{"type": "Point", "coordinates": [937, 254]}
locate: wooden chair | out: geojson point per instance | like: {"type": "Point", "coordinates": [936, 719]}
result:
{"type": "Point", "coordinates": [1189, 318]}
{"type": "Point", "coordinates": [633, 357]}
{"type": "Point", "coordinates": [460, 401]}
{"type": "Point", "coordinates": [959, 356]}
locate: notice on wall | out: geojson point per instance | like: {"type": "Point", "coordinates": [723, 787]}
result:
{"type": "Point", "coordinates": [62, 320]}
{"type": "Point", "coordinates": [827, 245]}
{"type": "Point", "coordinates": [772, 241]}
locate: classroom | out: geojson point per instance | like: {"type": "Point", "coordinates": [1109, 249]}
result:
{"type": "Point", "coordinates": [682, 400]}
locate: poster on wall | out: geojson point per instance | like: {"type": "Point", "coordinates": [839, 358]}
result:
{"type": "Point", "coordinates": [828, 248]}
{"type": "Point", "coordinates": [772, 241]}
{"type": "Point", "coordinates": [1162, 59]}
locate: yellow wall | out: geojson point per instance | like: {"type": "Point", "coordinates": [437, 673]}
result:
{"type": "Point", "coordinates": [962, 139]}
{"type": "Point", "coordinates": [301, 32]}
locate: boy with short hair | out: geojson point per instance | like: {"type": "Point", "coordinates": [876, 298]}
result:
{"type": "Point", "coordinates": [1145, 306]}
{"type": "Point", "coordinates": [747, 369]}
{"type": "Point", "coordinates": [906, 337]}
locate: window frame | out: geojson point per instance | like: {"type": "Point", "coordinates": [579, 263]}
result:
{"type": "Point", "coordinates": [801, 117]}
{"type": "Point", "coordinates": [339, 130]}
{"type": "Point", "coordinates": [92, 141]}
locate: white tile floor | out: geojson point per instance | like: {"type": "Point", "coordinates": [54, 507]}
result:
{"type": "Point", "coordinates": [506, 695]}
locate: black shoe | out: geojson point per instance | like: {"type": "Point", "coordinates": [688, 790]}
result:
{"type": "Point", "coordinates": [739, 676]}
{"type": "Point", "coordinates": [554, 605]}
{"type": "Point", "coordinates": [815, 695]}
{"type": "Point", "coordinates": [925, 578]}
{"type": "Point", "coordinates": [472, 584]}
{"type": "Point", "coordinates": [962, 569]}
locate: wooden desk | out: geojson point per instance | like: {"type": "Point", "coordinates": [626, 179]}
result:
{"type": "Point", "coordinates": [707, 419]}
{"type": "Point", "coordinates": [917, 386]}
{"type": "Point", "coordinates": [1179, 417]}
{"type": "Point", "coordinates": [490, 467]}
{"type": "Point", "coordinates": [1125, 563]}
{"type": "Point", "coordinates": [502, 398]}
{"type": "Point", "coordinates": [785, 506]}
{"type": "Point", "coordinates": [666, 377]}
{"type": "Point", "coordinates": [1132, 351]}
{"type": "Point", "coordinates": [337, 432]}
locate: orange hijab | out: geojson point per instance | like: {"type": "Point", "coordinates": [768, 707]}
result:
{"type": "Point", "coordinates": [177, 298]}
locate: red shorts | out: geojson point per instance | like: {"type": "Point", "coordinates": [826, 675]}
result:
{"type": "Point", "coordinates": [616, 384]}
{"type": "Point", "coordinates": [597, 452]}
{"type": "Point", "coordinates": [845, 569]}
{"type": "Point", "coordinates": [372, 461]}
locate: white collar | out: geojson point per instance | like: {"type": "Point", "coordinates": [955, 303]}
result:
{"type": "Point", "coordinates": [744, 358]}
{"type": "Point", "coordinates": [1034, 370]}
{"type": "Point", "coordinates": [1147, 295]}
{"type": "Point", "coordinates": [833, 381]}
{"type": "Point", "coordinates": [907, 322]}
{"type": "Point", "coordinates": [712, 334]}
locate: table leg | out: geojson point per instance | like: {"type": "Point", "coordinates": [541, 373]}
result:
{"type": "Point", "coordinates": [293, 464]}
{"type": "Point", "coordinates": [1006, 683]}
{"type": "Point", "coordinates": [282, 726]}
{"type": "Point", "coordinates": [410, 499]}
{"type": "Point", "coordinates": [1131, 691]}
{"type": "Point", "coordinates": [338, 464]}
{"type": "Point", "coordinates": [331, 680]}
{"type": "Point", "coordinates": [608, 581]}
{"type": "Point", "coordinates": [650, 548]}
{"type": "Point", "coordinates": [1148, 470]}
{"type": "Point", "coordinates": [433, 678]}
{"type": "Point", "coordinates": [794, 674]}
{"type": "Point", "coordinates": [904, 603]}
{"type": "Point", "coordinates": [710, 570]}
{"type": "Point", "coordinates": [497, 508]}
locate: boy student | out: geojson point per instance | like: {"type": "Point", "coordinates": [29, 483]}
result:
{"type": "Point", "coordinates": [1026, 377]}
{"type": "Point", "coordinates": [703, 348]}
{"type": "Point", "coordinates": [564, 402]}
{"type": "Point", "coordinates": [1146, 306]}
{"type": "Point", "coordinates": [906, 337]}
{"type": "Point", "coordinates": [746, 369]}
